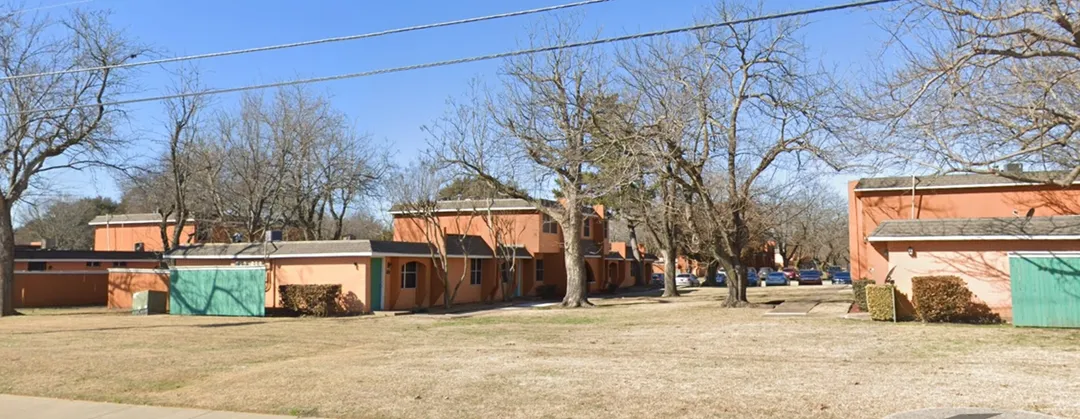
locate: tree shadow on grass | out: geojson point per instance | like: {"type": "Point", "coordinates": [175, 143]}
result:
{"type": "Point", "coordinates": [162, 326]}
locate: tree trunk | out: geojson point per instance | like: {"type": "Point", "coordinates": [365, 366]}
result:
{"type": "Point", "coordinates": [576, 284]}
{"type": "Point", "coordinates": [736, 283]}
{"type": "Point", "coordinates": [669, 272]}
{"type": "Point", "coordinates": [710, 274]}
{"type": "Point", "coordinates": [7, 260]}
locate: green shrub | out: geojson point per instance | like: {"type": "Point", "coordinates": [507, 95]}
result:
{"type": "Point", "coordinates": [948, 299]}
{"type": "Point", "coordinates": [880, 300]}
{"type": "Point", "coordinates": [546, 292]}
{"type": "Point", "coordinates": [311, 300]}
{"type": "Point", "coordinates": [859, 288]}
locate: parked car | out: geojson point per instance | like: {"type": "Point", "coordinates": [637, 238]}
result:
{"type": "Point", "coordinates": [763, 273]}
{"type": "Point", "coordinates": [842, 278]}
{"type": "Point", "coordinates": [721, 279]}
{"type": "Point", "coordinates": [657, 279]}
{"type": "Point", "coordinates": [831, 271]}
{"type": "Point", "coordinates": [752, 280]}
{"type": "Point", "coordinates": [810, 276]}
{"type": "Point", "coordinates": [776, 278]}
{"type": "Point", "coordinates": [686, 280]}
{"type": "Point", "coordinates": [791, 273]}
{"type": "Point", "coordinates": [751, 273]}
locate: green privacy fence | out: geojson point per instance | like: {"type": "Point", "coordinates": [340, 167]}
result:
{"type": "Point", "coordinates": [1045, 289]}
{"type": "Point", "coordinates": [218, 291]}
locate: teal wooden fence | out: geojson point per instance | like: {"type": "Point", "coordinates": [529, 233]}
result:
{"type": "Point", "coordinates": [1045, 290]}
{"type": "Point", "coordinates": [218, 291]}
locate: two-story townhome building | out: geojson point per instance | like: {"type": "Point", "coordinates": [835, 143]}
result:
{"type": "Point", "coordinates": [964, 225]}
{"type": "Point", "coordinates": [517, 223]}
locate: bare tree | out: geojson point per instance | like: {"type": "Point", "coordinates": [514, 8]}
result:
{"type": "Point", "coordinates": [50, 122]}
{"type": "Point", "coordinates": [63, 221]}
{"type": "Point", "coordinates": [986, 83]}
{"type": "Point", "coordinates": [415, 190]}
{"type": "Point", "coordinates": [506, 233]}
{"type": "Point", "coordinates": [537, 129]}
{"type": "Point", "coordinates": [747, 108]}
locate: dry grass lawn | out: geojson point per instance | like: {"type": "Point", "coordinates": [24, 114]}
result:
{"type": "Point", "coordinates": [631, 357]}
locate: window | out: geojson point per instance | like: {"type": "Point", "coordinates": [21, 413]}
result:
{"type": "Point", "coordinates": [586, 229]}
{"type": "Point", "coordinates": [93, 264]}
{"type": "Point", "coordinates": [119, 264]}
{"type": "Point", "coordinates": [476, 272]}
{"type": "Point", "coordinates": [539, 271]}
{"type": "Point", "coordinates": [36, 266]}
{"type": "Point", "coordinates": [549, 225]}
{"type": "Point", "coordinates": [408, 275]}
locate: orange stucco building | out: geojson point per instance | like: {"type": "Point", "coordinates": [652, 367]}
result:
{"type": "Point", "coordinates": [963, 225]}
{"type": "Point", "coordinates": [136, 232]}
{"type": "Point", "coordinates": [539, 239]}
{"type": "Point", "coordinates": [62, 278]}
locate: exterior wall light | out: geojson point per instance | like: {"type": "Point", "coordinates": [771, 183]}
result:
{"type": "Point", "coordinates": [911, 251]}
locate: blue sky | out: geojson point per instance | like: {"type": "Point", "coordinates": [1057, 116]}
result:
{"type": "Point", "coordinates": [392, 108]}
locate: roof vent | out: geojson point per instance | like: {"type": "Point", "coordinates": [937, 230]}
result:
{"type": "Point", "coordinates": [1014, 168]}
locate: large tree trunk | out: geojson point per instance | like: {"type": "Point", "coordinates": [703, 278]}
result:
{"type": "Point", "coordinates": [577, 294]}
{"type": "Point", "coordinates": [670, 259]}
{"type": "Point", "coordinates": [7, 260]}
{"type": "Point", "coordinates": [736, 283]}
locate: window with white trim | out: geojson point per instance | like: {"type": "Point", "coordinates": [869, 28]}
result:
{"type": "Point", "coordinates": [408, 275]}
{"type": "Point", "coordinates": [549, 225]}
{"type": "Point", "coordinates": [539, 271]}
{"type": "Point", "coordinates": [586, 229]}
{"type": "Point", "coordinates": [476, 272]}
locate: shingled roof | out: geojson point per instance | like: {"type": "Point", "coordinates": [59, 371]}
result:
{"type": "Point", "coordinates": [483, 205]}
{"type": "Point", "coordinates": [474, 246]}
{"type": "Point", "coordinates": [286, 249]}
{"type": "Point", "coordinates": [146, 218]}
{"type": "Point", "coordinates": [950, 181]}
{"type": "Point", "coordinates": [1004, 228]}
{"type": "Point", "coordinates": [83, 255]}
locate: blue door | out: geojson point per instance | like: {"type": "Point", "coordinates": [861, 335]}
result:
{"type": "Point", "coordinates": [376, 284]}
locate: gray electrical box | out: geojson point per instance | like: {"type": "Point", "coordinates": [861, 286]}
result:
{"type": "Point", "coordinates": [149, 302]}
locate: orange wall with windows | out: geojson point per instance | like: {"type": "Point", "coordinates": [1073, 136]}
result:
{"type": "Point", "coordinates": [122, 237]}
{"type": "Point", "coordinates": [867, 209]}
{"type": "Point", "coordinates": [518, 228]}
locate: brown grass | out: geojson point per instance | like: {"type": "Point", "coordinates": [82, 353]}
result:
{"type": "Point", "coordinates": [631, 357]}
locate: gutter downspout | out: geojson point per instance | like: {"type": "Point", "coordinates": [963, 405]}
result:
{"type": "Point", "coordinates": [912, 197]}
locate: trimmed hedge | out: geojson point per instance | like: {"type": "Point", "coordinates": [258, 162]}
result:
{"type": "Point", "coordinates": [859, 288]}
{"type": "Point", "coordinates": [948, 299]}
{"type": "Point", "coordinates": [311, 300]}
{"type": "Point", "coordinates": [880, 300]}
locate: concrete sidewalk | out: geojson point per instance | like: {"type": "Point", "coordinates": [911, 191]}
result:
{"type": "Point", "coordinates": [23, 407]}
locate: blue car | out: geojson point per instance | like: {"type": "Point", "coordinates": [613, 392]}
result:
{"type": "Point", "coordinates": [721, 280]}
{"type": "Point", "coordinates": [810, 276]}
{"type": "Point", "coordinates": [776, 278]}
{"type": "Point", "coordinates": [842, 278]}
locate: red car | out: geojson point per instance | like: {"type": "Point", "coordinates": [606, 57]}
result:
{"type": "Point", "coordinates": [791, 274]}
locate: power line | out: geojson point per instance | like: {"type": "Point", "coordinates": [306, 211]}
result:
{"type": "Point", "coordinates": [307, 43]}
{"type": "Point", "coordinates": [507, 54]}
{"type": "Point", "coordinates": [51, 6]}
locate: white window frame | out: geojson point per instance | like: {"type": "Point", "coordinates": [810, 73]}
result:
{"type": "Point", "coordinates": [548, 224]}
{"type": "Point", "coordinates": [476, 272]}
{"type": "Point", "coordinates": [415, 273]}
{"type": "Point", "coordinates": [539, 270]}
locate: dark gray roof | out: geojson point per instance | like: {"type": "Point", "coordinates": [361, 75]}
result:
{"type": "Point", "coordinates": [591, 249]}
{"type": "Point", "coordinates": [975, 228]}
{"type": "Point", "coordinates": [950, 181]}
{"type": "Point", "coordinates": [519, 252]}
{"type": "Point", "coordinates": [130, 219]}
{"type": "Point", "coordinates": [480, 205]}
{"type": "Point", "coordinates": [474, 246]}
{"type": "Point", "coordinates": [82, 255]}
{"type": "Point", "coordinates": [299, 249]}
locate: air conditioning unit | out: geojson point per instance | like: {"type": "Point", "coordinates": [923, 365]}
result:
{"type": "Point", "coordinates": [48, 244]}
{"type": "Point", "coordinates": [140, 247]}
{"type": "Point", "coordinates": [273, 236]}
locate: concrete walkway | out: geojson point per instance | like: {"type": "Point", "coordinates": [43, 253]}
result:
{"type": "Point", "coordinates": [22, 407]}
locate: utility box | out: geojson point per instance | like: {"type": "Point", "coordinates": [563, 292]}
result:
{"type": "Point", "coordinates": [149, 302]}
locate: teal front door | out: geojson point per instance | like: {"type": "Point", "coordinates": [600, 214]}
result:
{"type": "Point", "coordinates": [376, 284]}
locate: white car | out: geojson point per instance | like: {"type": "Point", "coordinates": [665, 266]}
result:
{"type": "Point", "coordinates": [686, 280]}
